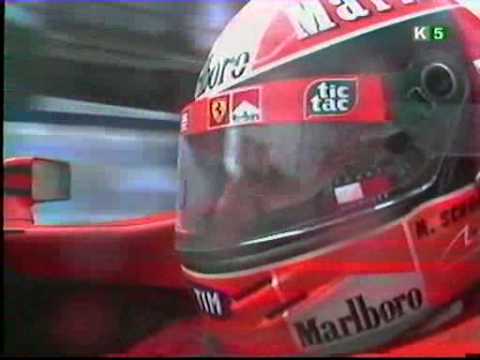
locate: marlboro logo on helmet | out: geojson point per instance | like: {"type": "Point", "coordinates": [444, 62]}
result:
{"type": "Point", "coordinates": [361, 317]}
{"type": "Point", "coordinates": [246, 106]}
{"type": "Point", "coordinates": [311, 17]}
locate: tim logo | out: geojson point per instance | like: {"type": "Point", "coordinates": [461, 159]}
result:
{"type": "Point", "coordinates": [211, 302]}
{"type": "Point", "coordinates": [332, 97]}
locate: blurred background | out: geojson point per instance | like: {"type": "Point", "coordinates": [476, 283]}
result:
{"type": "Point", "coordinates": [100, 85]}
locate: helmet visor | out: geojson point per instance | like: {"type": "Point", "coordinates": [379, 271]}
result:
{"type": "Point", "coordinates": [249, 183]}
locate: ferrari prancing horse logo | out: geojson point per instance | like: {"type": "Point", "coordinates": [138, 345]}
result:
{"type": "Point", "coordinates": [219, 111]}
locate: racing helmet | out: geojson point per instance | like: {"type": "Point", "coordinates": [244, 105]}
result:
{"type": "Point", "coordinates": [329, 174]}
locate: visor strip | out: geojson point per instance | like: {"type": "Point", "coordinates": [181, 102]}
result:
{"type": "Point", "coordinates": [289, 102]}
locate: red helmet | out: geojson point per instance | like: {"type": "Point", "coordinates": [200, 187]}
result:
{"type": "Point", "coordinates": [329, 173]}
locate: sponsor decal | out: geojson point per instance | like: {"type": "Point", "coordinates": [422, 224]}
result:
{"type": "Point", "coordinates": [246, 107]}
{"type": "Point", "coordinates": [220, 70]}
{"type": "Point", "coordinates": [331, 97]}
{"type": "Point", "coordinates": [349, 193]}
{"type": "Point", "coordinates": [361, 317]}
{"type": "Point", "coordinates": [312, 17]}
{"type": "Point", "coordinates": [426, 226]}
{"type": "Point", "coordinates": [447, 233]}
{"type": "Point", "coordinates": [184, 121]}
{"type": "Point", "coordinates": [376, 187]}
{"type": "Point", "coordinates": [211, 302]}
{"type": "Point", "coordinates": [219, 111]}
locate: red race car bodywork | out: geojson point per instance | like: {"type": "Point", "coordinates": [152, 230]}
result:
{"type": "Point", "coordinates": [457, 338]}
{"type": "Point", "coordinates": [141, 252]}
{"type": "Point", "coordinates": [136, 251]}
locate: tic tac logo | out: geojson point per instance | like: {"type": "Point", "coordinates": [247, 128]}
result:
{"type": "Point", "coordinates": [219, 111]}
{"type": "Point", "coordinates": [246, 107]}
{"type": "Point", "coordinates": [361, 317]}
{"type": "Point", "coordinates": [211, 302]}
{"type": "Point", "coordinates": [332, 97]}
